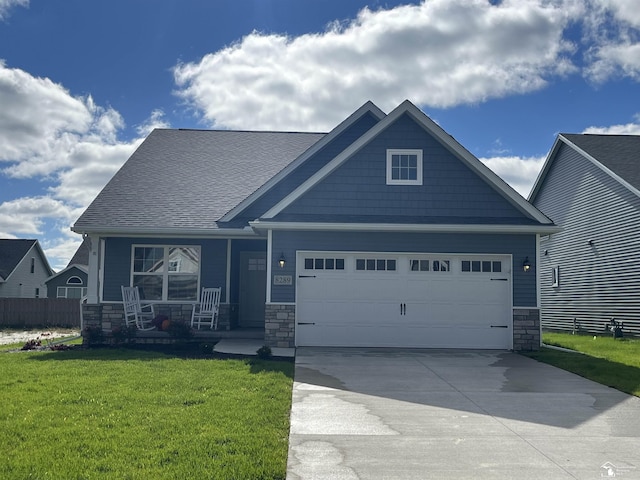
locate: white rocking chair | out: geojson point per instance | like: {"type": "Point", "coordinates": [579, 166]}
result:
{"type": "Point", "coordinates": [206, 312]}
{"type": "Point", "coordinates": [134, 313]}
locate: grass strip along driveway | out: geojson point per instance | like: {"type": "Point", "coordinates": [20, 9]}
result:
{"type": "Point", "coordinates": [118, 413]}
{"type": "Point", "coordinates": [609, 361]}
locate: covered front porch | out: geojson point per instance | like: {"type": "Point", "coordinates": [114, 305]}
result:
{"type": "Point", "coordinates": [170, 274]}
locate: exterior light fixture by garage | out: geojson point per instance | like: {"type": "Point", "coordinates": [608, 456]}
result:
{"type": "Point", "coordinates": [526, 265]}
{"type": "Point", "coordinates": [282, 261]}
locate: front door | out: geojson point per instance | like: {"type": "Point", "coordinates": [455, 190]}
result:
{"type": "Point", "coordinates": [253, 286]}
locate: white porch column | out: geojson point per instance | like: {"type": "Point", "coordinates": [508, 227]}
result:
{"type": "Point", "coordinates": [93, 280]}
{"type": "Point", "coordinates": [269, 257]}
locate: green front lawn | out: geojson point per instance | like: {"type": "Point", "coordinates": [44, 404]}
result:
{"type": "Point", "coordinates": [612, 362]}
{"type": "Point", "coordinates": [117, 413]}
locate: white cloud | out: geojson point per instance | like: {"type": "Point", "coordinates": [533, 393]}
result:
{"type": "Point", "coordinates": [613, 30]}
{"type": "Point", "coordinates": [46, 133]}
{"type": "Point", "coordinates": [518, 172]}
{"type": "Point", "coordinates": [440, 53]}
{"type": "Point", "coordinates": [25, 216]}
{"type": "Point", "coordinates": [632, 128]}
{"type": "Point", "coordinates": [6, 5]}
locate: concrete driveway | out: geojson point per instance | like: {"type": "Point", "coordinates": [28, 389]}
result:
{"type": "Point", "coordinates": [421, 414]}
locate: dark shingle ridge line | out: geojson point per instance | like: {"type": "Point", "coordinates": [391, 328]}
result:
{"type": "Point", "coordinates": [239, 131]}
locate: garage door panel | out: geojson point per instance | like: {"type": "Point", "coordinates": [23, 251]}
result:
{"type": "Point", "coordinates": [407, 308]}
{"type": "Point", "coordinates": [387, 288]}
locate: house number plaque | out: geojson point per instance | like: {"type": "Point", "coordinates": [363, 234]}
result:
{"type": "Point", "coordinates": [282, 280]}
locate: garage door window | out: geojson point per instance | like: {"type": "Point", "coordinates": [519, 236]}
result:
{"type": "Point", "coordinates": [426, 265]}
{"type": "Point", "coordinates": [486, 266]}
{"type": "Point", "coordinates": [324, 263]}
{"type": "Point", "coordinates": [376, 264]}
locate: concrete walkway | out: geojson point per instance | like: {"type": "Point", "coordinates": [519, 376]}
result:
{"type": "Point", "coordinates": [249, 347]}
{"type": "Point", "coordinates": [421, 414]}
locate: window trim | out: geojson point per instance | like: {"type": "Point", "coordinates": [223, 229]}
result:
{"type": "Point", "coordinates": [404, 151]}
{"type": "Point", "coordinates": [166, 272]}
{"type": "Point", "coordinates": [555, 276]}
{"type": "Point", "coordinates": [65, 290]}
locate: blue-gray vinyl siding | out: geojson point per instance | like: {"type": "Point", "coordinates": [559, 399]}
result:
{"type": "Point", "coordinates": [357, 190]}
{"type": "Point", "coordinates": [308, 168]}
{"type": "Point", "coordinates": [601, 280]}
{"type": "Point", "coordinates": [520, 246]}
{"type": "Point", "coordinates": [62, 281]}
{"type": "Point", "coordinates": [117, 262]}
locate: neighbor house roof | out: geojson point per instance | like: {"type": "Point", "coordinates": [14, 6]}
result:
{"type": "Point", "coordinates": [12, 251]}
{"type": "Point", "coordinates": [205, 173]}
{"type": "Point", "coordinates": [618, 155]}
{"type": "Point", "coordinates": [81, 257]}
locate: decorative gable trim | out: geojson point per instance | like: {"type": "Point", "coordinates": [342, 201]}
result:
{"type": "Point", "coordinates": [82, 268]}
{"type": "Point", "coordinates": [437, 132]}
{"type": "Point", "coordinates": [552, 156]}
{"type": "Point", "coordinates": [368, 107]}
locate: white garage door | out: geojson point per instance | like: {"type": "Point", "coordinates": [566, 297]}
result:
{"type": "Point", "coordinates": [403, 300]}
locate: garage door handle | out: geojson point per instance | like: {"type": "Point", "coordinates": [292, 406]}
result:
{"type": "Point", "coordinates": [306, 276]}
{"type": "Point", "coordinates": [306, 323]}
{"type": "Point", "coordinates": [499, 280]}
{"type": "Point", "coordinates": [499, 326]}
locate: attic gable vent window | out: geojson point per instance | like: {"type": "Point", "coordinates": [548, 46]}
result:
{"type": "Point", "coordinates": [404, 167]}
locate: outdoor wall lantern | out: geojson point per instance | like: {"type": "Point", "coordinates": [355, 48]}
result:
{"type": "Point", "coordinates": [526, 265]}
{"type": "Point", "coordinates": [282, 260]}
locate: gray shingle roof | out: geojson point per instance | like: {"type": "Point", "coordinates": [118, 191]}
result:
{"type": "Point", "coordinates": [11, 252]}
{"type": "Point", "coordinates": [81, 257]}
{"type": "Point", "coordinates": [619, 153]}
{"type": "Point", "coordinates": [188, 179]}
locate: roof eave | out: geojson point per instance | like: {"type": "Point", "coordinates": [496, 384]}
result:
{"type": "Point", "coordinates": [164, 232]}
{"type": "Point", "coordinates": [541, 229]}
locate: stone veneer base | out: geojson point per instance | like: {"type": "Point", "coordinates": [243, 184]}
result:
{"type": "Point", "coordinates": [526, 329]}
{"type": "Point", "coordinates": [279, 325]}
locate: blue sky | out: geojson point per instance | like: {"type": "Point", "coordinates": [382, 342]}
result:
{"type": "Point", "coordinates": [83, 82]}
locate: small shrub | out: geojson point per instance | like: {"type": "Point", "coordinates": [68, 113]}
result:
{"type": "Point", "coordinates": [179, 330]}
{"type": "Point", "coordinates": [264, 352]}
{"type": "Point", "coordinates": [93, 335]}
{"type": "Point", "coordinates": [124, 334]}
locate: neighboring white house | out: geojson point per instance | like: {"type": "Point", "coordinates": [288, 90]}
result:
{"type": "Point", "coordinates": [590, 186]}
{"type": "Point", "coordinates": [23, 269]}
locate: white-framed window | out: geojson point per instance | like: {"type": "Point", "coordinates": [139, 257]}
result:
{"type": "Point", "coordinates": [404, 167]}
{"type": "Point", "coordinates": [74, 291]}
{"type": "Point", "coordinates": [555, 277]}
{"type": "Point", "coordinates": [166, 272]}
{"type": "Point", "coordinates": [71, 292]}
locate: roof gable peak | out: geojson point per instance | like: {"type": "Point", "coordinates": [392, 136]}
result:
{"type": "Point", "coordinates": [407, 107]}
{"type": "Point", "coordinates": [368, 108]}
